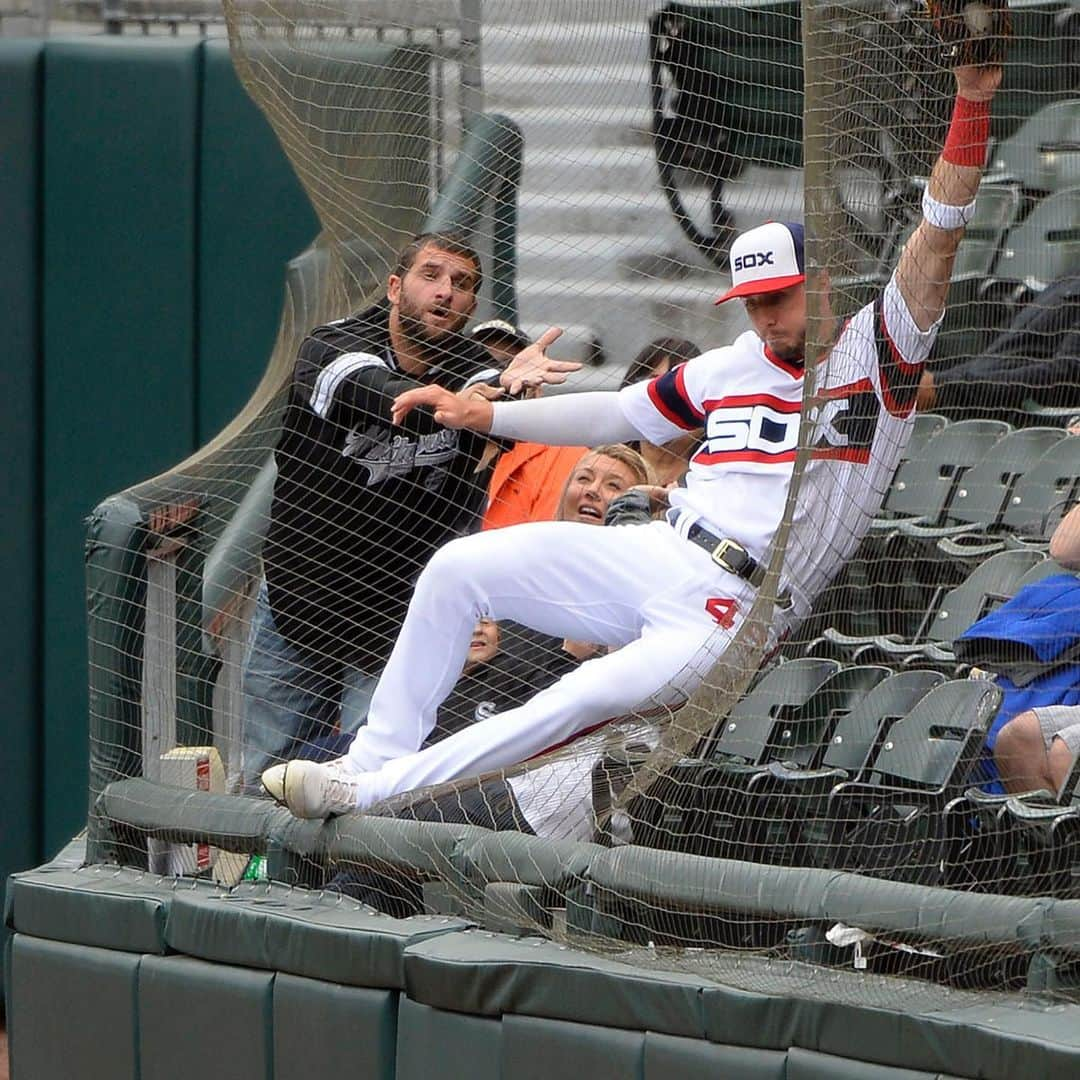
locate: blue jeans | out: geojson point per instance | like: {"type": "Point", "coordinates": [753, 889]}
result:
{"type": "Point", "coordinates": [295, 704]}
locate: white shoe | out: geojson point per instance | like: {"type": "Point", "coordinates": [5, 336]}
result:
{"type": "Point", "coordinates": [313, 790]}
{"type": "Point", "coordinates": [273, 782]}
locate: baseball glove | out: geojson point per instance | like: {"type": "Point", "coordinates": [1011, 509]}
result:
{"type": "Point", "coordinates": [629, 508]}
{"type": "Point", "coordinates": [973, 32]}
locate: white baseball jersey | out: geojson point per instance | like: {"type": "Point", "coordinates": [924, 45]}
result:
{"type": "Point", "coordinates": [749, 402]}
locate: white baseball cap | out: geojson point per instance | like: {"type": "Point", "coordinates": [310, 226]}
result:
{"type": "Point", "coordinates": [766, 259]}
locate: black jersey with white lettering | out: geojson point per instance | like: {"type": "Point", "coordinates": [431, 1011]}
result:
{"type": "Point", "coordinates": [359, 504]}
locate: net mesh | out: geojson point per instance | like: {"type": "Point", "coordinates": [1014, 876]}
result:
{"type": "Point", "coordinates": [789, 789]}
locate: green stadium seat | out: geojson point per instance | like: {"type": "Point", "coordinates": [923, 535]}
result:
{"type": "Point", "coordinates": [1044, 247]}
{"type": "Point", "coordinates": [926, 482]}
{"type": "Point", "coordinates": [946, 615]}
{"type": "Point", "coordinates": [797, 795]}
{"type": "Point", "coordinates": [891, 823]}
{"type": "Point", "coordinates": [1038, 502]}
{"type": "Point", "coordinates": [679, 811]}
{"type": "Point", "coordinates": [982, 495]}
{"type": "Point", "coordinates": [1043, 154]}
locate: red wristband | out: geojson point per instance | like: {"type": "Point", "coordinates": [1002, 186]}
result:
{"type": "Point", "coordinates": [969, 133]}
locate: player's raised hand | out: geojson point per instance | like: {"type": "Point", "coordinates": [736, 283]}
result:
{"type": "Point", "coordinates": [978, 82]}
{"type": "Point", "coordinates": [450, 409]}
{"type": "Point", "coordinates": [533, 368]}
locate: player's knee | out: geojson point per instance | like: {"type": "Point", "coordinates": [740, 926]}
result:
{"type": "Point", "coordinates": [448, 569]}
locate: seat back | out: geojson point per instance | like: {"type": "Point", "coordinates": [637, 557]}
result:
{"type": "Point", "coordinates": [1042, 152]}
{"type": "Point", "coordinates": [854, 741]}
{"type": "Point", "coordinates": [997, 207]}
{"type": "Point", "coordinates": [1047, 568]}
{"type": "Point", "coordinates": [925, 483]}
{"type": "Point", "coordinates": [745, 733]}
{"type": "Point", "coordinates": [1046, 245]}
{"type": "Point", "coordinates": [1045, 493]}
{"type": "Point", "coordinates": [935, 745]}
{"type": "Point", "coordinates": [988, 585]}
{"type": "Point", "coordinates": [981, 497]}
{"type": "Point", "coordinates": [801, 739]}
{"type": "Point", "coordinates": [925, 427]}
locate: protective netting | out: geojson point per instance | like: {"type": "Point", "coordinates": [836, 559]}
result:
{"type": "Point", "coordinates": [803, 761]}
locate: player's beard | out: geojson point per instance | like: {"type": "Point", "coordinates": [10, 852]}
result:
{"type": "Point", "coordinates": [428, 339]}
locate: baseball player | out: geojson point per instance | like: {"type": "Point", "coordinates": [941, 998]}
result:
{"type": "Point", "coordinates": [672, 594]}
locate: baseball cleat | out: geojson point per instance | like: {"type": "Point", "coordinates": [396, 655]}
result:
{"type": "Point", "coordinates": [273, 782]}
{"type": "Point", "coordinates": [313, 790]}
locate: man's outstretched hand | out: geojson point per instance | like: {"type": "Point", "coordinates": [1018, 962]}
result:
{"type": "Point", "coordinates": [533, 368]}
{"type": "Point", "coordinates": [451, 410]}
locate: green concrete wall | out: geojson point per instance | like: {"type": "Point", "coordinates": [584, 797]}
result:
{"type": "Point", "coordinates": [147, 225]}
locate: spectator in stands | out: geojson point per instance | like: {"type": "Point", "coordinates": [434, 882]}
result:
{"type": "Point", "coordinates": [503, 340]}
{"type": "Point", "coordinates": [667, 463]}
{"type": "Point", "coordinates": [1037, 748]}
{"type": "Point", "coordinates": [360, 504]}
{"type": "Point", "coordinates": [1037, 357]}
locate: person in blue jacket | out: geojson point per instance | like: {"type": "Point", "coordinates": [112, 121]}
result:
{"type": "Point", "coordinates": [1037, 747]}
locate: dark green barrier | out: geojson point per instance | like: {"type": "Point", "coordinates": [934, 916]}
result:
{"type": "Point", "coordinates": [253, 216]}
{"type": "Point", "coordinates": [20, 420]}
{"type": "Point", "coordinates": [119, 330]}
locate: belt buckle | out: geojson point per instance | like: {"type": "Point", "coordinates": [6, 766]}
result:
{"type": "Point", "coordinates": [720, 553]}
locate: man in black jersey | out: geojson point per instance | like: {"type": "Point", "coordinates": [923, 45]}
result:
{"type": "Point", "coordinates": [359, 504]}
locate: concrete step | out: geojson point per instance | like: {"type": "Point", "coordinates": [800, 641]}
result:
{"type": "Point", "coordinates": [757, 195]}
{"type": "Point", "coordinates": [514, 12]}
{"type": "Point", "coordinates": [576, 257]}
{"type": "Point", "coordinates": [622, 213]}
{"type": "Point", "coordinates": [613, 168]}
{"type": "Point", "coordinates": [584, 123]}
{"type": "Point", "coordinates": [567, 42]}
{"type": "Point", "coordinates": [508, 86]}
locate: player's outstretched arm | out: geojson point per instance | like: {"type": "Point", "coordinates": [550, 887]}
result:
{"type": "Point", "coordinates": [925, 265]}
{"type": "Point", "coordinates": [591, 418]}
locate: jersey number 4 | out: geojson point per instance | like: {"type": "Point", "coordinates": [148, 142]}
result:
{"type": "Point", "coordinates": [722, 610]}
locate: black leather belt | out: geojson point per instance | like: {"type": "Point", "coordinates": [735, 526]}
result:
{"type": "Point", "coordinates": [731, 556]}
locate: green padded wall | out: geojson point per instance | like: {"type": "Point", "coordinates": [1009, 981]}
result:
{"type": "Point", "coordinates": [537, 1049]}
{"type": "Point", "coordinates": [119, 331]}
{"type": "Point", "coordinates": [448, 1045]}
{"type": "Point", "coordinates": [206, 1020]}
{"type": "Point", "coordinates": [326, 1030]}
{"type": "Point", "coordinates": [20, 423]}
{"type": "Point", "coordinates": [72, 1012]}
{"type": "Point", "coordinates": [668, 1057]}
{"type": "Point", "coordinates": [253, 217]}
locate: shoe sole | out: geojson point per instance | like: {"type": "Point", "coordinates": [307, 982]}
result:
{"type": "Point", "coordinates": [277, 800]}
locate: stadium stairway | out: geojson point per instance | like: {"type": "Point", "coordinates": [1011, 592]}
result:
{"type": "Point", "coordinates": [599, 252]}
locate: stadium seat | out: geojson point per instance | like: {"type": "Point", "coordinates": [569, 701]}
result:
{"type": "Point", "coordinates": [1042, 248]}
{"type": "Point", "coordinates": [701, 804]}
{"type": "Point", "coordinates": [1040, 499]}
{"type": "Point", "coordinates": [947, 615]}
{"type": "Point", "coordinates": [1044, 152]}
{"type": "Point", "coordinates": [926, 482]}
{"type": "Point", "coordinates": [981, 498]}
{"type": "Point", "coordinates": [1026, 844]}
{"type": "Point", "coordinates": [924, 428]}
{"type": "Point", "coordinates": [891, 823]}
{"type": "Point", "coordinates": [796, 794]}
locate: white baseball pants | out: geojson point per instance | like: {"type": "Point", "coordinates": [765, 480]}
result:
{"type": "Point", "coordinates": [659, 599]}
